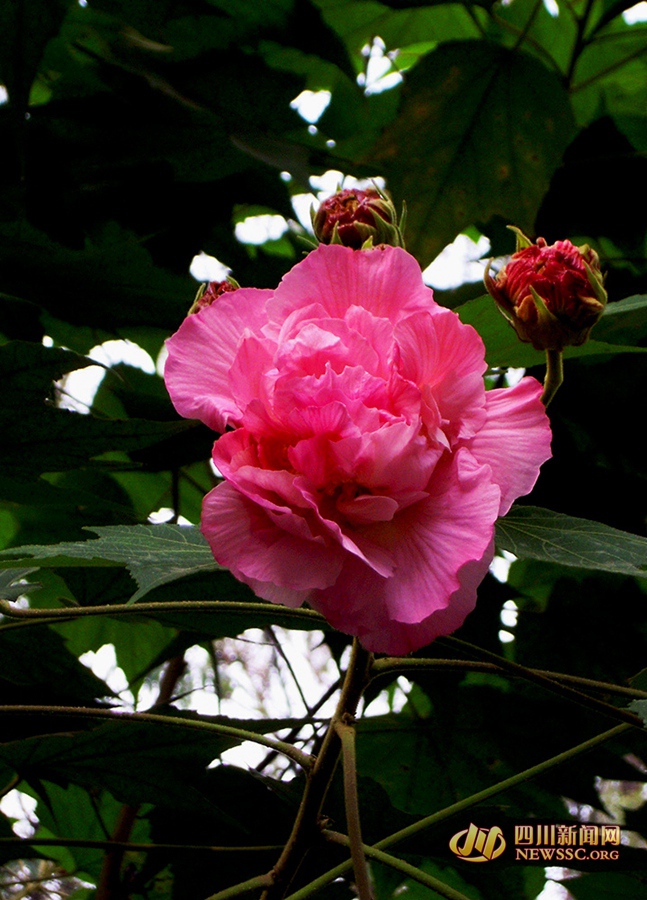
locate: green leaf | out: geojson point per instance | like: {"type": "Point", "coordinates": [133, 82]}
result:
{"type": "Point", "coordinates": [359, 22]}
{"type": "Point", "coordinates": [624, 322]}
{"type": "Point", "coordinates": [610, 75]}
{"type": "Point", "coordinates": [153, 554]}
{"type": "Point", "coordinates": [503, 347]}
{"type": "Point", "coordinates": [38, 437]}
{"type": "Point", "coordinates": [73, 812]}
{"type": "Point", "coordinates": [133, 760]}
{"type": "Point", "coordinates": [640, 707]}
{"type": "Point", "coordinates": [51, 673]}
{"type": "Point", "coordinates": [11, 583]}
{"type": "Point", "coordinates": [534, 533]}
{"type": "Point", "coordinates": [445, 153]}
{"type": "Point", "coordinates": [27, 25]}
{"type": "Point", "coordinates": [608, 886]}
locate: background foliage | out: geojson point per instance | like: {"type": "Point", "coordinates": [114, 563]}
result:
{"type": "Point", "coordinates": [136, 135]}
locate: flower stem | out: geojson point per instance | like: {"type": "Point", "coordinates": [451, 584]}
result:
{"type": "Point", "coordinates": [554, 375]}
{"type": "Point", "coordinates": [346, 733]}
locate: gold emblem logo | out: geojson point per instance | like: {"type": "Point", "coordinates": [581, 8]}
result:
{"type": "Point", "coordinates": [478, 844]}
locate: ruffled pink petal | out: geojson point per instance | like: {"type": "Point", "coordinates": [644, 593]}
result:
{"type": "Point", "coordinates": [385, 281]}
{"type": "Point", "coordinates": [381, 634]}
{"type": "Point", "coordinates": [247, 376]}
{"type": "Point", "coordinates": [431, 543]}
{"type": "Point", "coordinates": [515, 439]}
{"type": "Point", "coordinates": [202, 351]}
{"type": "Point", "coordinates": [447, 360]}
{"type": "Point", "coordinates": [290, 502]}
{"type": "Point", "coordinates": [244, 539]}
{"type": "Point", "coordinates": [325, 343]}
{"type": "Point", "coordinates": [396, 459]}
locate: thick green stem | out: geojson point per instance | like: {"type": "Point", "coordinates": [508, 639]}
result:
{"type": "Point", "coordinates": [307, 826]}
{"type": "Point", "coordinates": [303, 759]}
{"type": "Point", "coordinates": [45, 616]}
{"type": "Point", "coordinates": [400, 866]}
{"type": "Point", "coordinates": [554, 375]}
{"type": "Point", "coordinates": [462, 805]}
{"type": "Point", "coordinates": [346, 732]}
{"type": "Point", "coordinates": [561, 689]}
{"type": "Point", "coordinates": [259, 881]}
{"type": "Point", "coordinates": [392, 664]}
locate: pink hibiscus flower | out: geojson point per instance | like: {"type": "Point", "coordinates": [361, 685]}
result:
{"type": "Point", "coordinates": [367, 464]}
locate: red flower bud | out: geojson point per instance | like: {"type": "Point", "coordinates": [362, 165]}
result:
{"type": "Point", "coordinates": [552, 296]}
{"type": "Point", "coordinates": [210, 292]}
{"type": "Point", "coordinates": [353, 217]}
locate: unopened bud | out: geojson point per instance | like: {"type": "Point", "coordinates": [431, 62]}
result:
{"type": "Point", "coordinates": [208, 293]}
{"type": "Point", "coordinates": [552, 295]}
{"type": "Point", "coordinates": [356, 218]}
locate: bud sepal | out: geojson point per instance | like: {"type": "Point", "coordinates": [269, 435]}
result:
{"type": "Point", "coordinates": [360, 219]}
{"type": "Point", "coordinates": [551, 295]}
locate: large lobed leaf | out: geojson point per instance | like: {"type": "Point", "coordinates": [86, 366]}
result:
{"type": "Point", "coordinates": [480, 131]}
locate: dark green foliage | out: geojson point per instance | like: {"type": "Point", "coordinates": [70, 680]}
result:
{"type": "Point", "coordinates": [136, 135]}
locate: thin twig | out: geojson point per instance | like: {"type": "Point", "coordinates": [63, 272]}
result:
{"type": "Point", "coordinates": [292, 736]}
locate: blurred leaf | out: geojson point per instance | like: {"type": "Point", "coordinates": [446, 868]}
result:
{"type": "Point", "coordinates": [610, 72]}
{"type": "Point", "coordinates": [608, 886]}
{"type": "Point", "coordinates": [444, 153]}
{"type": "Point", "coordinates": [533, 533]}
{"type": "Point", "coordinates": [640, 707]}
{"type": "Point", "coordinates": [71, 439]}
{"type": "Point", "coordinates": [126, 289]}
{"type": "Point", "coordinates": [27, 26]}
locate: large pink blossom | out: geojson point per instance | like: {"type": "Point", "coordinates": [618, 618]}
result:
{"type": "Point", "coordinates": [364, 463]}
